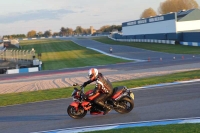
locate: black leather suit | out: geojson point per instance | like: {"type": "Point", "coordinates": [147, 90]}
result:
{"type": "Point", "coordinates": [104, 86]}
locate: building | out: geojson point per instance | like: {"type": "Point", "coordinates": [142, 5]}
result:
{"type": "Point", "coordinates": [171, 26]}
{"type": "Point", "coordinates": [92, 30]}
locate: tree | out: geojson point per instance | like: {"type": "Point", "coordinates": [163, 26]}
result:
{"type": "Point", "coordinates": [47, 33]}
{"type": "Point", "coordinates": [69, 31]}
{"type": "Point", "coordinates": [56, 34]}
{"type": "Point", "coordinates": [79, 30]}
{"type": "Point", "coordinates": [86, 31]}
{"type": "Point", "coordinates": [108, 28]}
{"type": "Point", "coordinates": [176, 5]}
{"type": "Point", "coordinates": [104, 28]}
{"type": "Point", "coordinates": [14, 36]}
{"type": "Point", "coordinates": [40, 34]}
{"type": "Point", "coordinates": [63, 31]}
{"type": "Point", "coordinates": [31, 33]}
{"type": "Point", "coordinates": [148, 13]}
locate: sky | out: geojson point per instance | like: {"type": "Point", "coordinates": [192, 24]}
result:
{"type": "Point", "coordinates": [21, 16]}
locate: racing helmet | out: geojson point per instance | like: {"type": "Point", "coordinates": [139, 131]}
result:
{"type": "Point", "coordinates": [93, 72]}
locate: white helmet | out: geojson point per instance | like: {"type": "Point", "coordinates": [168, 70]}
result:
{"type": "Point", "coordinates": [93, 72]}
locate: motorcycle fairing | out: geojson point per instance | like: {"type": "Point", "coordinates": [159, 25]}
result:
{"type": "Point", "coordinates": [88, 92]}
{"type": "Point", "coordinates": [86, 105]}
{"type": "Point", "coordinates": [75, 104]}
{"type": "Point", "coordinates": [96, 113]}
{"type": "Point", "coordinates": [118, 91]}
{"type": "Point", "coordinates": [93, 96]}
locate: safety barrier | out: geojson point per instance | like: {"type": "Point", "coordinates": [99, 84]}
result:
{"type": "Point", "coordinates": [190, 43]}
{"type": "Point", "coordinates": [156, 41]}
{"type": "Point", "coordinates": [22, 70]}
{"type": "Point", "coordinates": [60, 37]}
{"type": "Point", "coordinates": [144, 40]}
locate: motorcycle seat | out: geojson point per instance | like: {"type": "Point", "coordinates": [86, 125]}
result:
{"type": "Point", "coordinates": [119, 88]}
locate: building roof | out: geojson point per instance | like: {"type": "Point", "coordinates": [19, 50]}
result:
{"type": "Point", "coordinates": [183, 13]}
{"type": "Point", "coordinates": [188, 15]}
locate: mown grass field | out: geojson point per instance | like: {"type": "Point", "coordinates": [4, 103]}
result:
{"type": "Point", "coordinates": [26, 97]}
{"type": "Point", "coordinates": [168, 48]}
{"type": "Point", "coordinates": [58, 54]}
{"type": "Point", "coordinates": [175, 128]}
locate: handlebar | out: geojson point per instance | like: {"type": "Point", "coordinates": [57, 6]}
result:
{"type": "Point", "coordinates": [82, 88]}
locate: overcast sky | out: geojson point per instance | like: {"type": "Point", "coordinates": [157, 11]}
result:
{"type": "Point", "coordinates": [21, 16]}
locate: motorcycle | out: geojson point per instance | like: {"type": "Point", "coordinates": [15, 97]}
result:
{"type": "Point", "coordinates": [122, 101]}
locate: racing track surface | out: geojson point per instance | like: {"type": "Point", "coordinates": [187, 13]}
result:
{"type": "Point", "coordinates": [129, 52]}
{"type": "Point", "coordinates": [168, 102]}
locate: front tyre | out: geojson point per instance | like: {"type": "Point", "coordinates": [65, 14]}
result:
{"type": "Point", "coordinates": [125, 105]}
{"type": "Point", "coordinates": [76, 114]}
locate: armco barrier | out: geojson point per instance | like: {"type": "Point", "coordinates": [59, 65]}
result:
{"type": "Point", "coordinates": [144, 40]}
{"type": "Point", "coordinates": [190, 43]}
{"type": "Point", "coordinates": [58, 37]}
{"type": "Point", "coordinates": [22, 70]}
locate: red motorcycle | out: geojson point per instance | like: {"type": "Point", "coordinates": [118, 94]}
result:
{"type": "Point", "coordinates": [122, 101]}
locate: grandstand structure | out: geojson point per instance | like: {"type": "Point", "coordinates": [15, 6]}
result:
{"type": "Point", "coordinates": [15, 58]}
{"type": "Point", "coordinates": [177, 26]}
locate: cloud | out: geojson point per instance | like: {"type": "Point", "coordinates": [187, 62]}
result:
{"type": "Point", "coordinates": [96, 15]}
{"type": "Point", "coordinates": [34, 15]}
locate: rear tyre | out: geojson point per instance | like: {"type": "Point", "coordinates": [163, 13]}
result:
{"type": "Point", "coordinates": [125, 105]}
{"type": "Point", "coordinates": [76, 114]}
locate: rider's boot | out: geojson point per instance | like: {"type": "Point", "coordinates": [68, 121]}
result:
{"type": "Point", "coordinates": [107, 109]}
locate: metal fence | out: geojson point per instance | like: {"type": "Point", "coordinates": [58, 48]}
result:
{"type": "Point", "coordinates": [17, 55]}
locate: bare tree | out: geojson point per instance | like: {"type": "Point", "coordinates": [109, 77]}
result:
{"type": "Point", "coordinates": [148, 13]}
{"type": "Point", "coordinates": [176, 5]}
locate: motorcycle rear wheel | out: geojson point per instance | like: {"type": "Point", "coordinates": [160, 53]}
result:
{"type": "Point", "coordinates": [125, 105]}
{"type": "Point", "coordinates": [76, 114]}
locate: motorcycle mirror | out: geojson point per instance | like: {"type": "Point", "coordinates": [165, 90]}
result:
{"type": "Point", "coordinates": [75, 84]}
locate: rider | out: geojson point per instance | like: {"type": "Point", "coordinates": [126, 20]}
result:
{"type": "Point", "coordinates": [103, 85]}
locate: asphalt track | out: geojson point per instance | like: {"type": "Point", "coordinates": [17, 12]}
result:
{"type": "Point", "coordinates": [168, 102]}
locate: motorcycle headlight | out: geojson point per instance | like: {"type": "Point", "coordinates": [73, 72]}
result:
{"type": "Point", "coordinates": [75, 99]}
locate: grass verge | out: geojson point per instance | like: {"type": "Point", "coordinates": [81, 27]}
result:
{"type": "Point", "coordinates": [175, 128]}
{"type": "Point", "coordinates": [26, 97]}
{"type": "Point", "coordinates": [58, 54]}
{"type": "Point", "coordinates": [167, 48]}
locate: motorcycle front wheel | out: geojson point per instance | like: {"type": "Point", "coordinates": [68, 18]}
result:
{"type": "Point", "coordinates": [125, 105]}
{"type": "Point", "coordinates": [76, 114]}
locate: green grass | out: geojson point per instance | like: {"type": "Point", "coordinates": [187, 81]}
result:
{"type": "Point", "coordinates": [25, 97]}
{"type": "Point", "coordinates": [58, 54]}
{"type": "Point", "coordinates": [168, 48]}
{"type": "Point", "coordinates": [175, 128]}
